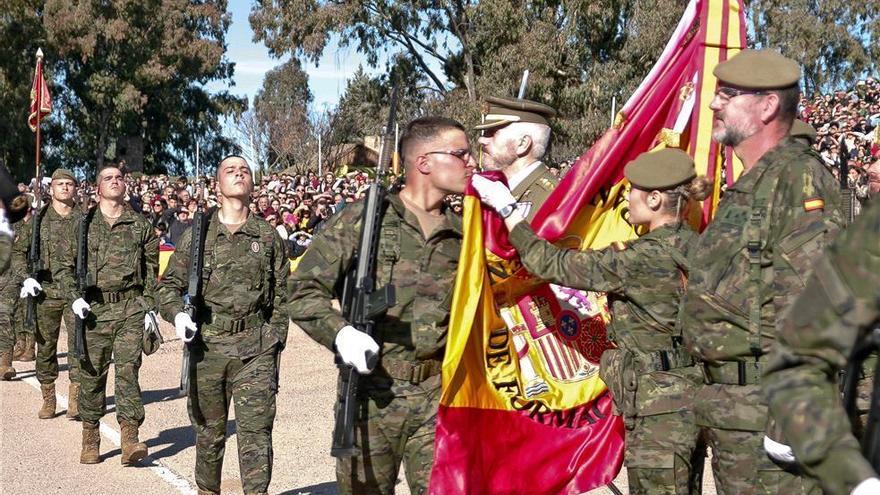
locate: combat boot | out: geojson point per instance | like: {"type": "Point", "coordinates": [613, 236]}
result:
{"type": "Point", "coordinates": [29, 353]}
{"type": "Point", "coordinates": [7, 372]}
{"type": "Point", "coordinates": [18, 349]}
{"type": "Point", "coordinates": [48, 409]}
{"type": "Point", "coordinates": [73, 401]}
{"type": "Point", "coordinates": [91, 444]}
{"type": "Point", "coordinates": [133, 450]}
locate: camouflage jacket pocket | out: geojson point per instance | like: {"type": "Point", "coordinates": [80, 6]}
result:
{"type": "Point", "coordinates": [663, 392]}
{"type": "Point", "coordinates": [618, 371]}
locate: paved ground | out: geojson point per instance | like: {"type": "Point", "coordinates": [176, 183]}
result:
{"type": "Point", "coordinates": [41, 457]}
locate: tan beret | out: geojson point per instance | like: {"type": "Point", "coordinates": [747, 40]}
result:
{"type": "Point", "coordinates": [802, 130]}
{"type": "Point", "coordinates": [759, 69]}
{"type": "Point", "coordinates": [503, 111]}
{"type": "Point", "coordinates": [63, 173]}
{"type": "Point", "coordinates": [660, 170]}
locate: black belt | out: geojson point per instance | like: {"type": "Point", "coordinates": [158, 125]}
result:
{"type": "Point", "coordinates": [99, 296]}
{"type": "Point", "coordinates": [733, 373]}
{"type": "Point", "coordinates": [665, 360]}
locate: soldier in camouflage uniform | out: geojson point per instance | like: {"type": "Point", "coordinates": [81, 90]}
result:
{"type": "Point", "coordinates": [419, 248]}
{"type": "Point", "coordinates": [752, 261]}
{"type": "Point", "coordinates": [123, 262]}
{"type": "Point", "coordinates": [836, 310]}
{"type": "Point", "coordinates": [12, 207]}
{"type": "Point", "coordinates": [57, 240]}
{"type": "Point", "coordinates": [514, 139]}
{"type": "Point", "coordinates": [243, 329]}
{"type": "Point", "coordinates": [652, 377]}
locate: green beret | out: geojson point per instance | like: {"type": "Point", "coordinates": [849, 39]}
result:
{"type": "Point", "coordinates": [759, 69]}
{"type": "Point", "coordinates": [499, 112]}
{"type": "Point", "coordinates": [63, 173]}
{"type": "Point", "coordinates": [660, 170]}
{"type": "Point", "coordinates": [802, 130]}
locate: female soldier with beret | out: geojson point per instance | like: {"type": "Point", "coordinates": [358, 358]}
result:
{"type": "Point", "coordinates": [650, 375]}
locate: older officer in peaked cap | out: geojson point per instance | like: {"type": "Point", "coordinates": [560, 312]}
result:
{"type": "Point", "coordinates": [748, 266]}
{"type": "Point", "coordinates": [516, 134]}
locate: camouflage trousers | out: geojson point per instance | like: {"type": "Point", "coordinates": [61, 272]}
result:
{"type": "Point", "coordinates": [665, 454]}
{"type": "Point", "coordinates": [50, 312]}
{"type": "Point", "coordinates": [393, 428]}
{"type": "Point", "coordinates": [7, 330]}
{"type": "Point", "coordinates": [735, 419]}
{"type": "Point", "coordinates": [251, 385]}
{"type": "Point", "coordinates": [117, 333]}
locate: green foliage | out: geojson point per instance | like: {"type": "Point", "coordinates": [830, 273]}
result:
{"type": "Point", "coordinates": [120, 71]}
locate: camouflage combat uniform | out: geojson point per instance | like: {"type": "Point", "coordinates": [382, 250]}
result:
{"type": "Point", "coordinates": [838, 306]}
{"type": "Point", "coordinates": [5, 252]}
{"type": "Point", "coordinates": [57, 240]}
{"type": "Point", "coordinates": [652, 378]}
{"type": "Point", "coordinates": [534, 189]}
{"type": "Point", "coordinates": [123, 261]}
{"type": "Point", "coordinates": [746, 268]}
{"type": "Point", "coordinates": [8, 296]}
{"type": "Point", "coordinates": [402, 394]}
{"type": "Point", "coordinates": [242, 332]}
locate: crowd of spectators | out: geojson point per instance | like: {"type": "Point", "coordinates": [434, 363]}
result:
{"type": "Point", "coordinates": [853, 116]}
{"type": "Point", "coordinates": [297, 205]}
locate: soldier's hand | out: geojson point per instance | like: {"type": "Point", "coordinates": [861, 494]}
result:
{"type": "Point", "coordinates": [81, 308]}
{"type": "Point", "coordinates": [493, 193]}
{"type": "Point", "coordinates": [185, 327]}
{"type": "Point", "coordinates": [867, 487]}
{"type": "Point", "coordinates": [357, 349]}
{"type": "Point", "coordinates": [30, 288]}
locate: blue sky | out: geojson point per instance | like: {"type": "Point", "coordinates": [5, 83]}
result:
{"type": "Point", "coordinates": [252, 61]}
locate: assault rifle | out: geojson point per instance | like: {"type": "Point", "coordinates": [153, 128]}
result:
{"type": "Point", "coordinates": [361, 300]}
{"type": "Point", "coordinates": [34, 263]}
{"type": "Point", "coordinates": [847, 193]}
{"type": "Point", "coordinates": [82, 281]}
{"type": "Point", "coordinates": [192, 301]}
{"type": "Point", "coordinates": [866, 346]}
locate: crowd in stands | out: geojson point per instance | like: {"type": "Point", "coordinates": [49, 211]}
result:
{"type": "Point", "coordinates": [854, 117]}
{"type": "Point", "coordinates": [297, 205]}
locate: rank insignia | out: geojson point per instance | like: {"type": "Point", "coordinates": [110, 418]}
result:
{"type": "Point", "coordinates": [255, 247]}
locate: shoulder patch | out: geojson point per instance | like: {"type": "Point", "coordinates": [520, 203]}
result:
{"type": "Point", "coordinates": [811, 204]}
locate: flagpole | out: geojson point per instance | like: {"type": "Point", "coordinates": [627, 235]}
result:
{"type": "Point", "coordinates": [38, 188]}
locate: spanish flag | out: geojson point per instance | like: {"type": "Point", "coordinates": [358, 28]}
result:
{"type": "Point", "coordinates": [523, 409]}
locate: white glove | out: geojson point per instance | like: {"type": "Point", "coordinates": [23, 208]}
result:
{"type": "Point", "coordinates": [186, 328]}
{"type": "Point", "coordinates": [149, 320]}
{"type": "Point", "coordinates": [30, 288]}
{"type": "Point", "coordinates": [870, 486]}
{"type": "Point", "coordinates": [778, 451]}
{"type": "Point", "coordinates": [357, 349]}
{"type": "Point", "coordinates": [81, 308]}
{"type": "Point", "coordinates": [495, 194]}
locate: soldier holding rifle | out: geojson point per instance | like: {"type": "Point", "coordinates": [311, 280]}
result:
{"type": "Point", "coordinates": [417, 247]}
{"type": "Point", "coordinates": [122, 254]}
{"type": "Point", "coordinates": [234, 326]}
{"type": "Point", "coordinates": [43, 289]}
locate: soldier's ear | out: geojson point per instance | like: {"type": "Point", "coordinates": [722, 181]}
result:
{"type": "Point", "coordinates": [523, 145]}
{"type": "Point", "coordinates": [654, 200]}
{"type": "Point", "coordinates": [422, 164]}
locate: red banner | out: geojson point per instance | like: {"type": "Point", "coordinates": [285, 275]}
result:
{"type": "Point", "coordinates": [41, 100]}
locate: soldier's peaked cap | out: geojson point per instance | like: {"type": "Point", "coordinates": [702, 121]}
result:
{"type": "Point", "coordinates": [660, 170]}
{"type": "Point", "coordinates": [503, 111]}
{"type": "Point", "coordinates": [759, 69]}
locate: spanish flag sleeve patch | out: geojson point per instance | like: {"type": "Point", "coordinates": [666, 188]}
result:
{"type": "Point", "coordinates": [814, 204]}
{"type": "Point", "coordinates": [619, 245]}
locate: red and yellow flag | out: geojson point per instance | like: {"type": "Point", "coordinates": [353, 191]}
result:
{"type": "Point", "coordinates": [41, 100]}
{"type": "Point", "coordinates": [523, 409]}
